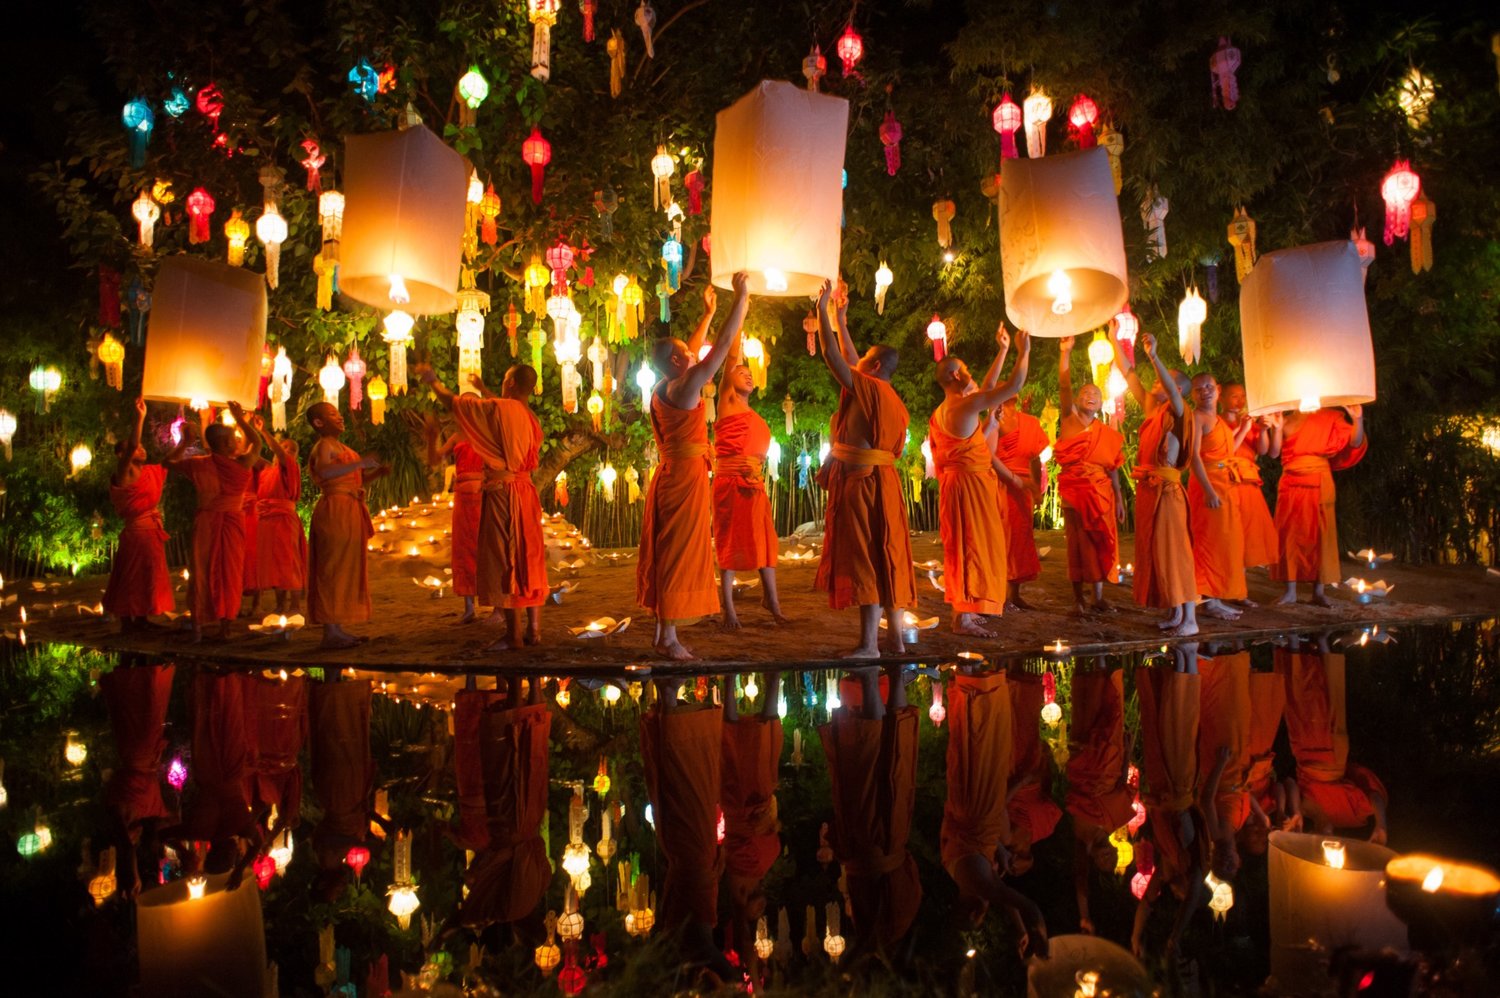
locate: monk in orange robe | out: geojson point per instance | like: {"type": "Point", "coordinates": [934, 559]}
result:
{"type": "Point", "coordinates": [1336, 792]}
{"type": "Point", "coordinates": [1218, 529]}
{"type": "Point", "coordinates": [675, 574]}
{"type": "Point", "coordinates": [511, 569]}
{"type": "Point", "coordinates": [343, 773]}
{"type": "Point", "coordinates": [279, 728]}
{"type": "Point", "coordinates": [1089, 454]}
{"type": "Point", "coordinates": [137, 697]}
{"type": "Point", "coordinates": [1224, 723]}
{"type": "Point", "coordinates": [220, 479]}
{"type": "Point", "coordinates": [510, 871]}
{"type": "Point", "coordinates": [866, 560]}
{"type": "Point", "coordinates": [744, 531]}
{"type": "Point", "coordinates": [468, 502]}
{"type": "Point", "coordinates": [1252, 441]}
{"type": "Point", "coordinates": [970, 515]}
{"type": "Point", "coordinates": [871, 748]}
{"type": "Point", "coordinates": [752, 840]}
{"type": "Point", "coordinates": [1032, 812]}
{"type": "Point", "coordinates": [1019, 442]}
{"type": "Point", "coordinates": [338, 588]}
{"type": "Point", "coordinates": [281, 543]}
{"type": "Point", "coordinates": [251, 584]}
{"type": "Point", "coordinates": [1098, 797]}
{"type": "Point", "coordinates": [139, 585]}
{"type": "Point", "coordinates": [976, 821]}
{"type": "Point", "coordinates": [1312, 446]}
{"type": "Point", "coordinates": [1164, 576]}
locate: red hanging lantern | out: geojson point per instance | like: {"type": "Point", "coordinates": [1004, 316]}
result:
{"type": "Point", "coordinates": [572, 979]}
{"type": "Point", "coordinates": [890, 137]}
{"type": "Point", "coordinates": [694, 184]}
{"type": "Point", "coordinates": [589, 8]}
{"type": "Point", "coordinates": [1081, 116]}
{"type": "Point", "coordinates": [851, 49]}
{"type": "Point", "coordinates": [1007, 120]}
{"type": "Point", "coordinates": [937, 332]}
{"type": "Point", "coordinates": [313, 164]}
{"type": "Point", "coordinates": [211, 104]}
{"type": "Point", "coordinates": [265, 871]}
{"type": "Point", "coordinates": [358, 857]}
{"type": "Point", "coordinates": [1399, 189]}
{"type": "Point", "coordinates": [537, 152]}
{"type": "Point", "coordinates": [200, 208]}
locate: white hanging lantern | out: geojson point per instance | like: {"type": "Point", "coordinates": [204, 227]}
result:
{"type": "Point", "coordinates": [397, 336]}
{"type": "Point", "coordinates": [1038, 111]}
{"type": "Point", "coordinates": [280, 389]}
{"type": "Point", "coordinates": [271, 230]}
{"type": "Point", "coordinates": [7, 431]}
{"type": "Point", "coordinates": [883, 280]}
{"type": "Point", "coordinates": [332, 380]}
{"type": "Point", "coordinates": [206, 333]}
{"type": "Point", "coordinates": [145, 211]}
{"type": "Point", "coordinates": [1191, 314]}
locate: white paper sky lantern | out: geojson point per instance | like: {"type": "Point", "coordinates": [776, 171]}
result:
{"type": "Point", "coordinates": [187, 943]}
{"type": "Point", "coordinates": [405, 196]}
{"type": "Point", "coordinates": [206, 334]}
{"type": "Point", "coordinates": [778, 189]}
{"type": "Point", "coordinates": [1058, 215]}
{"type": "Point", "coordinates": [1306, 331]}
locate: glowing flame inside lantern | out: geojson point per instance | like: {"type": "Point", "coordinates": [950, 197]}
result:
{"type": "Point", "coordinates": [1060, 287]}
{"type": "Point", "coordinates": [775, 280]}
{"type": "Point", "coordinates": [1333, 853]}
{"type": "Point", "coordinates": [1433, 880]}
{"type": "Point", "coordinates": [399, 294]}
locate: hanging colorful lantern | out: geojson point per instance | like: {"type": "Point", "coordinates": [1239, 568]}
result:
{"type": "Point", "coordinates": [662, 168]}
{"type": "Point", "coordinates": [754, 352]}
{"type": "Point", "coordinates": [331, 218]}
{"type": "Point", "coordinates": [280, 389]}
{"type": "Point", "coordinates": [937, 332]}
{"type": "Point", "coordinates": [1366, 251]}
{"type": "Point", "coordinates": [378, 392]}
{"type": "Point", "coordinates": [1114, 144]}
{"type": "Point", "coordinates": [1007, 120]}
{"type": "Point", "coordinates": [210, 104]}
{"type": "Point", "coordinates": [365, 80]}
{"type": "Point", "coordinates": [176, 103]}
{"type": "Point", "coordinates": [1127, 327]}
{"type": "Point", "coordinates": [942, 213]}
{"type": "Point", "coordinates": [80, 458]}
{"type": "Point", "coordinates": [936, 712]}
{"type": "Point", "coordinates": [633, 299]}
{"type": "Point", "coordinates": [645, 19]}
{"type": "Point", "coordinates": [112, 356]}
{"type": "Point", "coordinates": [595, 407]}
{"type": "Point", "coordinates": [616, 49]}
{"type": "Point", "coordinates": [354, 370]}
{"type": "Point", "coordinates": [489, 210]}
{"type": "Point", "coordinates": [236, 236]}
{"type": "Point", "coordinates": [313, 163]}
{"type": "Point", "coordinates": [851, 49]}
{"type": "Point", "coordinates": [468, 323]}
{"type": "Point", "coordinates": [200, 208]}
{"type": "Point", "coordinates": [397, 335]}
{"type": "Point", "coordinates": [588, 8]}
{"type": "Point", "coordinates": [7, 435]}
{"type": "Point", "coordinates": [139, 120]}
{"type": "Point", "coordinates": [890, 138]}
{"type": "Point", "coordinates": [543, 15]}
{"type": "Point", "coordinates": [45, 381]}
{"type": "Point", "coordinates": [536, 151]}
{"type": "Point", "coordinates": [536, 278]}
{"type": "Point", "coordinates": [606, 203]}
{"type": "Point", "coordinates": [145, 211]}
{"type": "Point", "coordinates": [560, 489]}
{"type": "Point", "coordinates": [271, 230]}
{"type": "Point", "coordinates": [1399, 189]}
{"type": "Point", "coordinates": [671, 259]}
{"type": "Point", "coordinates": [512, 323]}
{"type": "Point", "coordinates": [1101, 359]}
{"type": "Point", "coordinates": [814, 67]}
{"type": "Point", "coordinates": [883, 280]}
{"type": "Point", "coordinates": [1038, 111]}
{"type": "Point", "coordinates": [1242, 238]}
{"type": "Point", "coordinates": [472, 90]}
{"type": "Point", "coordinates": [559, 259]}
{"type": "Point", "coordinates": [1222, 65]}
{"type": "Point", "coordinates": [1081, 118]}
{"type": "Point", "coordinates": [1423, 215]}
{"type": "Point", "coordinates": [332, 380]}
{"type": "Point", "coordinates": [1415, 97]}
{"type": "Point", "coordinates": [1191, 314]}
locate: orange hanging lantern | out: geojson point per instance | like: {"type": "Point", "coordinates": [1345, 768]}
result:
{"type": "Point", "coordinates": [943, 212]}
{"type": "Point", "coordinates": [537, 152]}
{"type": "Point", "coordinates": [489, 210]}
{"type": "Point", "coordinates": [512, 323]}
{"type": "Point", "coordinates": [1081, 117]}
{"type": "Point", "coordinates": [1399, 189]}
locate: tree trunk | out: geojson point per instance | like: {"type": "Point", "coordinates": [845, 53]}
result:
{"type": "Point", "coordinates": [578, 439]}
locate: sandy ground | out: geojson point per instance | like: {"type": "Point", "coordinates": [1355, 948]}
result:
{"type": "Point", "coordinates": [409, 628]}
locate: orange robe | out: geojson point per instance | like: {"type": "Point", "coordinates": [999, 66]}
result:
{"type": "Point", "coordinates": [1218, 534]}
{"type": "Point", "coordinates": [468, 502]}
{"type": "Point", "coordinates": [1088, 497]}
{"type": "Point", "coordinates": [279, 726]}
{"type": "Point", "coordinates": [1255, 516]}
{"type": "Point", "coordinates": [223, 763]}
{"type": "Point", "coordinates": [1317, 729]}
{"type": "Point", "coordinates": [252, 534]}
{"type": "Point", "coordinates": [218, 564]}
{"type": "Point", "coordinates": [751, 756]}
{"type": "Point", "coordinates": [1225, 720]}
{"type": "Point", "coordinates": [1033, 813]}
{"type": "Point", "coordinates": [1016, 449]}
{"type": "Point", "coordinates": [867, 548]}
{"type": "Point", "coordinates": [1267, 706]}
{"type": "Point", "coordinates": [511, 569]}
{"type": "Point", "coordinates": [281, 543]}
{"type": "Point", "coordinates": [1097, 792]}
{"type": "Point", "coordinates": [971, 523]}
{"type": "Point", "coordinates": [680, 753]}
{"type": "Point", "coordinates": [343, 769]}
{"type": "Point", "coordinates": [137, 699]}
{"type": "Point", "coordinates": [468, 766]}
{"type": "Point", "coordinates": [975, 818]}
{"type": "Point", "coordinates": [508, 876]}
{"type": "Point", "coordinates": [744, 532]}
{"type": "Point", "coordinates": [872, 766]}
{"type": "Point", "coordinates": [138, 581]}
{"type": "Point", "coordinates": [338, 587]}
{"type": "Point", "coordinates": [1170, 704]}
{"type": "Point", "coordinates": [1163, 550]}
{"type": "Point", "coordinates": [1306, 526]}
{"type": "Point", "coordinates": [674, 577]}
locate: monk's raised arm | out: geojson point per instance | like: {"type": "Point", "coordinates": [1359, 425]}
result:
{"type": "Point", "coordinates": [700, 331]}
{"type": "Point", "coordinates": [833, 354]}
{"type": "Point", "coordinates": [992, 397]}
{"type": "Point", "coordinates": [1132, 380]}
{"type": "Point", "coordinates": [701, 373]}
{"type": "Point", "coordinates": [1064, 375]}
{"type": "Point", "coordinates": [1174, 395]}
{"type": "Point", "coordinates": [846, 339]}
{"type": "Point", "coordinates": [992, 376]}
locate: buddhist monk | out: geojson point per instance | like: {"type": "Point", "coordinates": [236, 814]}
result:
{"type": "Point", "coordinates": [752, 840]}
{"type": "Point", "coordinates": [510, 871]}
{"type": "Point", "coordinates": [1019, 442]}
{"type": "Point", "coordinates": [251, 555]}
{"type": "Point", "coordinates": [1218, 529]}
{"type": "Point", "coordinates": [1224, 726]}
{"type": "Point", "coordinates": [1336, 792]}
{"type": "Point", "coordinates": [681, 745]}
{"type": "Point", "coordinates": [1098, 797]}
{"type": "Point", "coordinates": [137, 697]}
{"type": "Point", "coordinates": [279, 728]}
{"type": "Point", "coordinates": [970, 515]}
{"type": "Point", "coordinates": [1164, 575]}
{"type": "Point", "coordinates": [1088, 454]}
{"type": "Point", "coordinates": [871, 748]}
{"type": "Point", "coordinates": [343, 774]}
{"type": "Point", "coordinates": [281, 543]}
{"type": "Point", "coordinates": [1252, 440]}
{"type": "Point", "coordinates": [338, 588]}
{"type": "Point", "coordinates": [1032, 812]}
{"type": "Point", "coordinates": [220, 478]}
{"type": "Point", "coordinates": [976, 823]}
{"type": "Point", "coordinates": [468, 501]}
{"type": "Point", "coordinates": [1312, 446]}
{"type": "Point", "coordinates": [866, 560]}
{"type": "Point", "coordinates": [675, 574]}
{"type": "Point", "coordinates": [139, 585]}
{"type": "Point", "coordinates": [511, 568]}
{"type": "Point", "coordinates": [744, 531]}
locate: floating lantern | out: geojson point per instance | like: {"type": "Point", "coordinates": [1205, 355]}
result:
{"type": "Point", "coordinates": [536, 152]}
{"type": "Point", "coordinates": [138, 119]}
{"type": "Point", "coordinates": [7, 435]}
{"type": "Point", "coordinates": [1081, 118]}
{"type": "Point", "coordinates": [1222, 65]}
{"type": "Point", "coordinates": [1191, 314]}
{"type": "Point", "coordinates": [200, 208]}
{"type": "Point", "coordinates": [1306, 331]}
{"type": "Point", "coordinates": [271, 230]}
{"type": "Point", "coordinates": [890, 138]}
{"type": "Point", "coordinates": [1007, 120]}
{"type": "Point", "coordinates": [1445, 903]}
{"type": "Point", "coordinates": [778, 157]}
{"type": "Point", "coordinates": [404, 217]}
{"type": "Point", "coordinates": [937, 332]}
{"type": "Point", "coordinates": [603, 627]}
{"type": "Point", "coordinates": [1399, 189]}
{"type": "Point", "coordinates": [146, 212]}
{"type": "Point", "coordinates": [207, 333]}
{"type": "Point", "coordinates": [1059, 216]}
{"type": "Point", "coordinates": [850, 48]}
{"type": "Point", "coordinates": [1037, 111]}
{"type": "Point", "coordinates": [1058, 650]}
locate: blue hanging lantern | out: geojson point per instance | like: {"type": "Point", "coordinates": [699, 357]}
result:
{"type": "Point", "coordinates": [138, 120]}
{"type": "Point", "coordinates": [671, 256]}
{"type": "Point", "coordinates": [177, 103]}
{"type": "Point", "coordinates": [843, 186]}
{"type": "Point", "coordinates": [365, 80]}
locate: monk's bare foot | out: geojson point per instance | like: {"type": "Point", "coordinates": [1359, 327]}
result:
{"type": "Point", "coordinates": [781, 619]}
{"type": "Point", "coordinates": [1017, 603]}
{"type": "Point", "coordinates": [1285, 600]}
{"type": "Point", "coordinates": [533, 636]}
{"type": "Point", "coordinates": [500, 644]}
{"type": "Point", "coordinates": [1217, 611]}
{"type": "Point", "coordinates": [1081, 609]}
{"type": "Point", "coordinates": [1318, 599]}
{"type": "Point", "coordinates": [729, 622]}
{"type": "Point", "coordinates": [1183, 631]}
{"type": "Point", "coordinates": [495, 618]}
{"type": "Point", "coordinates": [676, 651]}
{"type": "Point", "coordinates": [1169, 623]}
{"type": "Point", "coordinates": [467, 617]}
{"type": "Point", "coordinates": [1246, 604]}
{"type": "Point", "coordinates": [968, 625]}
{"type": "Point", "coordinates": [896, 646]}
{"type": "Point", "coordinates": [862, 652]}
{"type": "Point", "coordinates": [1103, 606]}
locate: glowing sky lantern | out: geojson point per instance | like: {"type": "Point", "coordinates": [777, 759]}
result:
{"type": "Point", "coordinates": [1038, 111]}
{"type": "Point", "coordinates": [536, 152]}
{"type": "Point", "coordinates": [207, 333]}
{"type": "Point", "coordinates": [1399, 189]}
{"type": "Point", "coordinates": [139, 120]}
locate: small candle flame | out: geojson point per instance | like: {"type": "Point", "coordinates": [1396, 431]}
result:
{"type": "Point", "coordinates": [1310, 403]}
{"type": "Point", "coordinates": [775, 279]}
{"type": "Point", "coordinates": [1060, 287]}
{"type": "Point", "coordinates": [1433, 880]}
{"type": "Point", "coordinates": [1333, 853]}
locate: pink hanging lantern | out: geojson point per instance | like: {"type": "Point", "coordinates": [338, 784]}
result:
{"type": "Point", "coordinates": [537, 152]}
{"type": "Point", "coordinates": [937, 713]}
{"type": "Point", "coordinates": [937, 332]}
{"type": "Point", "coordinates": [851, 49]}
{"type": "Point", "coordinates": [357, 858]}
{"type": "Point", "coordinates": [211, 104]}
{"type": "Point", "coordinates": [265, 871]}
{"type": "Point", "coordinates": [1007, 120]}
{"type": "Point", "coordinates": [354, 370]}
{"type": "Point", "coordinates": [313, 164]}
{"type": "Point", "coordinates": [1399, 189]}
{"type": "Point", "coordinates": [1145, 868]}
{"type": "Point", "coordinates": [1127, 327]}
{"type": "Point", "coordinates": [1081, 118]}
{"type": "Point", "coordinates": [200, 208]}
{"type": "Point", "coordinates": [559, 259]}
{"type": "Point", "coordinates": [1222, 64]}
{"type": "Point", "coordinates": [890, 137]}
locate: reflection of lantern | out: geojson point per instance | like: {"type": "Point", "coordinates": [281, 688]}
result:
{"type": "Point", "coordinates": [200, 208]}
{"type": "Point", "coordinates": [1007, 121]}
{"type": "Point", "coordinates": [778, 160]}
{"type": "Point", "coordinates": [833, 941]}
{"type": "Point", "coordinates": [1081, 118]}
{"type": "Point", "coordinates": [1060, 214]}
{"type": "Point", "coordinates": [1399, 189]}
{"type": "Point", "coordinates": [1305, 329]}
{"type": "Point", "coordinates": [145, 211]}
{"type": "Point", "coordinates": [936, 712]}
{"type": "Point", "coordinates": [536, 152]}
{"type": "Point", "coordinates": [764, 944]}
{"type": "Point", "coordinates": [403, 225]}
{"type": "Point", "coordinates": [271, 230]}
{"type": "Point", "coordinates": [206, 335]}
{"type": "Point", "coordinates": [185, 940]}
{"type": "Point", "coordinates": [850, 48]}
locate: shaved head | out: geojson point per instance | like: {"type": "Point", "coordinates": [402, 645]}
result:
{"type": "Point", "coordinates": [220, 438]}
{"type": "Point", "coordinates": [948, 369]}
{"type": "Point", "coordinates": [880, 361]}
{"type": "Point", "coordinates": [319, 413]}
{"type": "Point", "coordinates": [520, 381]}
{"type": "Point", "coordinates": [670, 357]}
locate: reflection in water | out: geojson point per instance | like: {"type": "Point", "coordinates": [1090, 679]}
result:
{"type": "Point", "coordinates": [564, 826]}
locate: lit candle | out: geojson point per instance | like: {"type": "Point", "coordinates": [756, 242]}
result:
{"type": "Point", "coordinates": [196, 885]}
{"type": "Point", "coordinates": [1333, 853]}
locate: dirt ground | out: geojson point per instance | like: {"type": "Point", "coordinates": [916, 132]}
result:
{"type": "Point", "coordinates": [410, 629]}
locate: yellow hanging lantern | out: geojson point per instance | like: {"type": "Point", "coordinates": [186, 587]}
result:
{"type": "Point", "coordinates": [537, 277]}
{"type": "Point", "coordinates": [112, 356]}
{"type": "Point", "coordinates": [236, 234]}
{"type": "Point", "coordinates": [755, 358]}
{"type": "Point", "coordinates": [596, 409]}
{"type": "Point", "coordinates": [632, 485]}
{"type": "Point", "coordinates": [1124, 851]}
{"type": "Point", "coordinates": [942, 212]}
{"type": "Point", "coordinates": [543, 15]}
{"type": "Point", "coordinates": [332, 380]}
{"type": "Point", "coordinates": [1114, 144]}
{"type": "Point", "coordinates": [146, 212]}
{"type": "Point", "coordinates": [104, 883]}
{"type": "Point", "coordinates": [633, 298]}
{"type": "Point", "coordinates": [377, 391]}
{"type": "Point", "coordinates": [1242, 238]}
{"type": "Point", "coordinates": [883, 281]}
{"type": "Point", "coordinates": [1101, 357]}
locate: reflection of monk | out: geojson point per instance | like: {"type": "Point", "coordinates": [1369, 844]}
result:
{"type": "Point", "coordinates": [510, 872]}
{"type": "Point", "coordinates": [1098, 797]}
{"type": "Point", "coordinates": [1224, 726]}
{"type": "Point", "coordinates": [1336, 792]}
{"type": "Point", "coordinates": [343, 770]}
{"type": "Point", "coordinates": [223, 758]}
{"type": "Point", "coordinates": [1032, 811]}
{"type": "Point", "coordinates": [1273, 801]}
{"type": "Point", "coordinates": [752, 840]}
{"type": "Point", "coordinates": [1312, 446]}
{"type": "Point", "coordinates": [279, 709]}
{"type": "Point", "coordinates": [137, 699]}
{"type": "Point", "coordinates": [872, 765]}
